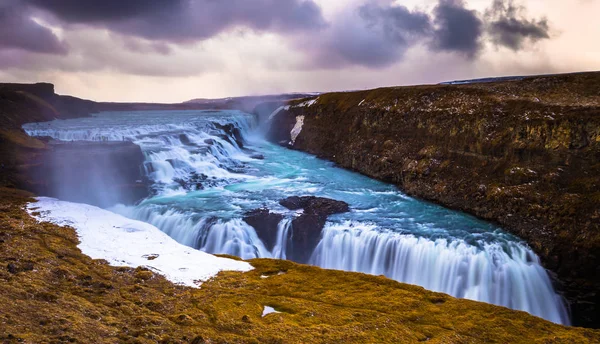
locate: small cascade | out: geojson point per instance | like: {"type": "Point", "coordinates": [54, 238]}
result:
{"type": "Point", "coordinates": [232, 237]}
{"type": "Point", "coordinates": [509, 275]}
{"type": "Point", "coordinates": [283, 239]}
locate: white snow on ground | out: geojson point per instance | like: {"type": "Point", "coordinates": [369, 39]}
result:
{"type": "Point", "coordinates": [307, 103]}
{"type": "Point", "coordinates": [125, 242]}
{"type": "Point", "coordinates": [297, 129]}
{"type": "Point", "coordinates": [269, 310]}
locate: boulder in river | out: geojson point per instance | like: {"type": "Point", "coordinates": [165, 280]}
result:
{"type": "Point", "coordinates": [315, 205]}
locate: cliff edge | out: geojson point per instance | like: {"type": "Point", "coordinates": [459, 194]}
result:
{"type": "Point", "coordinates": [524, 153]}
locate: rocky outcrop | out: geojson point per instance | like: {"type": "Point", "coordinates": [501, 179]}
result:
{"type": "Point", "coordinates": [232, 134]}
{"type": "Point", "coordinates": [525, 154]}
{"type": "Point", "coordinates": [318, 206]}
{"type": "Point", "coordinates": [307, 228]}
{"type": "Point", "coordinates": [265, 223]}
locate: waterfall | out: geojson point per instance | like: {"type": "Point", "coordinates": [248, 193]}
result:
{"type": "Point", "coordinates": [204, 178]}
{"type": "Point", "coordinates": [283, 236]}
{"type": "Point", "coordinates": [234, 238]}
{"type": "Point", "coordinates": [509, 276]}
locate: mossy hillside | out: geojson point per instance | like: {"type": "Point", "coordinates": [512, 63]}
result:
{"type": "Point", "coordinates": [52, 293]}
{"type": "Point", "coordinates": [525, 154]}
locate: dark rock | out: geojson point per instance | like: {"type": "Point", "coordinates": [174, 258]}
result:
{"type": "Point", "coordinates": [186, 140]}
{"type": "Point", "coordinates": [265, 223]}
{"type": "Point", "coordinates": [315, 205]}
{"type": "Point", "coordinates": [17, 267]}
{"type": "Point", "coordinates": [232, 133]}
{"type": "Point", "coordinates": [306, 233]}
{"type": "Point", "coordinates": [307, 228]}
{"type": "Point", "coordinates": [195, 181]}
{"type": "Point", "coordinates": [210, 142]}
{"type": "Point", "coordinates": [257, 156]}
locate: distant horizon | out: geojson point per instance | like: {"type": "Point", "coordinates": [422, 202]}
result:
{"type": "Point", "coordinates": [174, 51]}
{"type": "Point", "coordinates": [478, 79]}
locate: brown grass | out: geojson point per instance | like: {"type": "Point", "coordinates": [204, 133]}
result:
{"type": "Point", "coordinates": [52, 293]}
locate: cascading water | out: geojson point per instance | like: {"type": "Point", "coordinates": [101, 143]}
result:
{"type": "Point", "coordinates": [208, 168]}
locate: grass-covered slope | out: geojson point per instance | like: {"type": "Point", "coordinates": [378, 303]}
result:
{"type": "Point", "coordinates": [51, 292]}
{"type": "Point", "coordinates": [524, 153]}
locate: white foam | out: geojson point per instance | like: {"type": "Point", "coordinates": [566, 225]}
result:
{"type": "Point", "coordinates": [125, 242]}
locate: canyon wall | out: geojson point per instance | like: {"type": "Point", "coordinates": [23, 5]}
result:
{"type": "Point", "coordinates": [523, 153]}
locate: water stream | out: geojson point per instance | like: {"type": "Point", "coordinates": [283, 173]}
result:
{"type": "Point", "coordinates": [207, 168]}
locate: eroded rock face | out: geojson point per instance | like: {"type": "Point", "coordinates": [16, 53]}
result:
{"type": "Point", "coordinates": [525, 154]}
{"type": "Point", "coordinates": [232, 133]}
{"type": "Point", "coordinates": [265, 223]}
{"type": "Point", "coordinates": [307, 228]}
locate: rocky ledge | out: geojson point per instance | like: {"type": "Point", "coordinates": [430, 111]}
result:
{"type": "Point", "coordinates": [523, 153]}
{"type": "Point", "coordinates": [305, 229]}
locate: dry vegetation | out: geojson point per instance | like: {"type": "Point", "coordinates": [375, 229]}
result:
{"type": "Point", "coordinates": [52, 293]}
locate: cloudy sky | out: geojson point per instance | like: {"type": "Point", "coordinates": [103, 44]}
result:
{"type": "Point", "coordinates": [175, 50]}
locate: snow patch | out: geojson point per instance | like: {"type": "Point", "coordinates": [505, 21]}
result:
{"type": "Point", "coordinates": [308, 103]}
{"type": "Point", "coordinates": [297, 128]}
{"type": "Point", "coordinates": [125, 242]}
{"type": "Point", "coordinates": [268, 310]}
{"type": "Point", "coordinates": [361, 102]}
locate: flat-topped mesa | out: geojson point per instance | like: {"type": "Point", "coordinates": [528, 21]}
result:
{"type": "Point", "coordinates": [523, 153]}
{"type": "Point", "coordinates": [43, 90]}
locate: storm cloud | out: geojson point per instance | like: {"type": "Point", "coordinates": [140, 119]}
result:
{"type": "Point", "coordinates": [509, 27]}
{"type": "Point", "coordinates": [457, 28]}
{"type": "Point", "coordinates": [371, 35]}
{"type": "Point", "coordinates": [185, 21]}
{"type": "Point", "coordinates": [176, 38]}
{"type": "Point", "coordinates": [18, 31]}
{"type": "Point", "coordinates": [378, 34]}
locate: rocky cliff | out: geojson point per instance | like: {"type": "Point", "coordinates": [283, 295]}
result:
{"type": "Point", "coordinates": [522, 153]}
